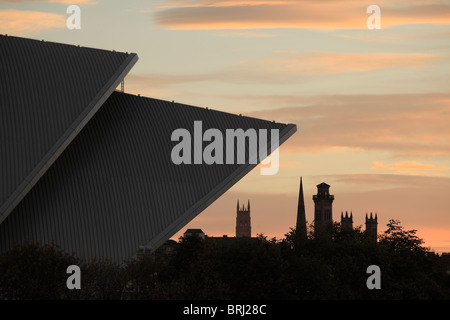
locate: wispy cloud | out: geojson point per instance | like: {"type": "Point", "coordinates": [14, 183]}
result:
{"type": "Point", "coordinates": [410, 167]}
{"type": "Point", "coordinates": [289, 66]}
{"type": "Point", "coordinates": [320, 63]}
{"type": "Point", "coordinates": [245, 34]}
{"type": "Point", "coordinates": [30, 22]}
{"type": "Point", "coordinates": [330, 15]}
{"type": "Point", "coordinates": [413, 125]}
{"type": "Point", "coordinates": [218, 3]}
{"type": "Point", "coordinates": [381, 181]}
{"type": "Point", "coordinates": [19, 22]}
{"type": "Point", "coordinates": [54, 1]}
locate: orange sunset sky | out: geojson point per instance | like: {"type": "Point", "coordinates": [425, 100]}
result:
{"type": "Point", "coordinates": [372, 107]}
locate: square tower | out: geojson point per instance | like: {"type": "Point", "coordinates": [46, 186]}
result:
{"type": "Point", "coordinates": [243, 221]}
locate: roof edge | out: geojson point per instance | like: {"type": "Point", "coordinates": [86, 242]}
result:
{"type": "Point", "coordinates": [213, 195]}
{"type": "Point", "coordinates": [68, 136]}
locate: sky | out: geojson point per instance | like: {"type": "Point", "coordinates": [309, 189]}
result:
{"type": "Point", "coordinates": [372, 106]}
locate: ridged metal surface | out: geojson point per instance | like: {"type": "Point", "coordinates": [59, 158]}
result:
{"type": "Point", "coordinates": [116, 188]}
{"type": "Point", "coordinates": [48, 92]}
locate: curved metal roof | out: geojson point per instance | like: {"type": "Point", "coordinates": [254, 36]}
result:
{"type": "Point", "coordinates": [113, 186]}
{"type": "Point", "coordinates": [49, 91]}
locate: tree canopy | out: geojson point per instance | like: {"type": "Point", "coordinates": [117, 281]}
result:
{"type": "Point", "coordinates": [333, 267]}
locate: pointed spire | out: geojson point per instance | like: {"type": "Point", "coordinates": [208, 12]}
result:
{"type": "Point", "coordinates": [237, 206]}
{"type": "Point", "coordinates": [248, 207]}
{"type": "Point", "coordinates": [301, 216]}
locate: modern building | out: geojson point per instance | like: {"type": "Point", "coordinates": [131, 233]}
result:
{"type": "Point", "coordinates": [90, 168]}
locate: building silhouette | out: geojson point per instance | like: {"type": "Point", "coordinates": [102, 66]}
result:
{"type": "Point", "coordinates": [323, 208]}
{"type": "Point", "coordinates": [323, 215]}
{"type": "Point", "coordinates": [347, 221]}
{"type": "Point", "coordinates": [243, 228]}
{"type": "Point", "coordinates": [301, 215]}
{"type": "Point", "coordinates": [243, 221]}
{"type": "Point", "coordinates": [371, 226]}
{"type": "Point", "coordinates": [194, 232]}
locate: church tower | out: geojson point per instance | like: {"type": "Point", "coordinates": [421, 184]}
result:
{"type": "Point", "coordinates": [323, 207]}
{"type": "Point", "coordinates": [243, 221]}
{"type": "Point", "coordinates": [301, 216]}
{"type": "Point", "coordinates": [347, 221]}
{"type": "Point", "coordinates": [371, 227]}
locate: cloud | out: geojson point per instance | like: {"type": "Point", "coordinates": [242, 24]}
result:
{"type": "Point", "coordinates": [220, 3]}
{"type": "Point", "coordinates": [404, 125]}
{"type": "Point", "coordinates": [289, 66]}
{"type": "Point", "coordinates": [321, 63]}
{"type": "Point", "coordinates": [252, 17]}
{"type": "Point", "coordinates": [20, 22]}
{"type": "Point", "coordinates": [246, 34]}
{"type": "Point", "coordinates": [54, 1]}
{"type": "Point", "coordinates": [417, 34]}
{"type": "Point", "coordinates": [330, 15]}
{"type": "Point", "coordinates": [412, 167]}
{"type": "Point", "coordinates": [366, 182]}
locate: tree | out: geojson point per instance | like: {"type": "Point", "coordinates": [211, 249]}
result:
{"type": "Point", "coordinates": [32, 271]}
{"type": "Point", "coordinates": [397, 239]}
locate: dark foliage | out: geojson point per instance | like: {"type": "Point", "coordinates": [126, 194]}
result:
{"type": "Point", "coordinates": [332, 267]}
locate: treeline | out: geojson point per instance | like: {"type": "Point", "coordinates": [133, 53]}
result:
{"type": "Point", "coordinates": [328, 267]}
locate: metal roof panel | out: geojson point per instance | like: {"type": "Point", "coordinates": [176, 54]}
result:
{"type": "Point", "coordinates": [115, 187]}
{"type": "Point", "coordinates": [49, 91]}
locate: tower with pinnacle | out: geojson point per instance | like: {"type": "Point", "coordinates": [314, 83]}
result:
{"type": "Point", "coordinates": [347, 221]}
{"type": "Point", "coordinates": [301, 215]}
{"type": "Point", "coordinates": [323, 215]}
{"type": "Point", "coordinates": [243, 221]}
{"type": "Point", "coordinates": [372, 227]}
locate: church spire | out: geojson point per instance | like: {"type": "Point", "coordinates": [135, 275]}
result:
{"type": "Point", "coordinates": [301, 216]}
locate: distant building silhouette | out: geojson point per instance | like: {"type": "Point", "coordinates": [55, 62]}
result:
{"type": "Point", "coordinates": [323, 207]}
{"type": "Point", "coordinates": [243, 228]}
{"type": "Point", "coordinates": [194, 232]}
{"type": "Point", "coordinates": [347, 221]}
{"type": "Point", "coordinates": [323, 214]}
{"type": "Point", "coordinates": [371, 227]}
{"type": "Point", "coordinates": [301, 215]}
{"type": "Point", "coordinates": [243, 221]}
